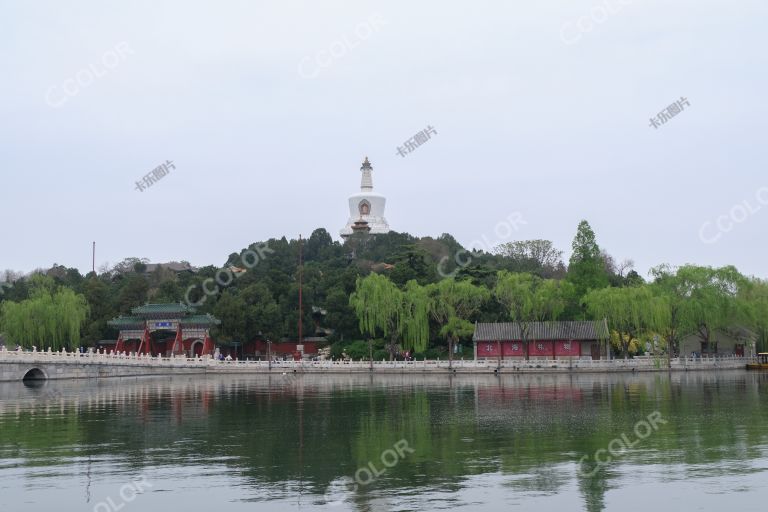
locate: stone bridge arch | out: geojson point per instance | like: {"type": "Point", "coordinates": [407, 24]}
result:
{"type": "Point", "coordinates": [34, 373]}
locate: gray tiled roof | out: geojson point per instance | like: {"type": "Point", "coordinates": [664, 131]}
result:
{"type": "Point", "coordinates": [176, 266]}
{"type": "Point", "coordinates": [179, 309]}
{"type": "Point", "coordinates": [583, 330]}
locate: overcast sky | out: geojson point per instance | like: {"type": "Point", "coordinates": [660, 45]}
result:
{"type": "Point", "coordinates": [267, 109]}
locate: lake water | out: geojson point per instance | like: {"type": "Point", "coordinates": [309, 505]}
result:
{"type": "Point", "coordinates": [689, 441]}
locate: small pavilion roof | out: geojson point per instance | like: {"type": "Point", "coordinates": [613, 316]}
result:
{"type": "Point", "coordinates": [141, 314]}
{"type": "Point", "coordinates": [123, 322]}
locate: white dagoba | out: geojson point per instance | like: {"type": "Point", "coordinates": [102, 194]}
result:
{"type": "Point", "coordinates": [366, 209]}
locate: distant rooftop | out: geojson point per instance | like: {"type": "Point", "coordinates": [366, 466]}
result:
{"type": "Point", "coordinates": [147, 312]}
{"type": "Point", "coordinates": [176, 266]}
{"type": "Point", "coordinates": [506, 331]}
{"type": "Point", "coordinates": [147, 309]}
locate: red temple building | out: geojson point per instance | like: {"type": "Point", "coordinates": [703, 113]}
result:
{"type": "Point", "coordinates": [257, 349]}
{"type": "Point", "coordinates": [165, 330]}
{"type": "Point", "coordinates": [544, 340]}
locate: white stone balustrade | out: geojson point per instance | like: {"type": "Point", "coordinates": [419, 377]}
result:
{"type": "Point", "coordinates": [93, 358]}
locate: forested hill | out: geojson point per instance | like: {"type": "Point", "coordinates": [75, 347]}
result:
{"type": "Point", "coordinates": [255, 290]}
{"type": "Point", "coordinates": [264, 298]}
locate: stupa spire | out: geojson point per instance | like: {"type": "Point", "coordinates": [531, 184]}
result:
{"type": "Point", "coordinates": [366, 208]}
{"type": "Point", "coordinates": [366, 184]}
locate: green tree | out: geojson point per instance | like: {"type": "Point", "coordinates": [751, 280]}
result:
{"type": "Point", "coordinates": [168, 291]}
{"type": "Point", "coordinates": [714, 299]}
{"type": "Point", "coordinates": [527, 299]}
{"type": "Point", "coordinates": [754, 300]}
{"type": "Point", "coordinates": [628, 311]}
{"type": "Point", "coordinates": [229, 309]}
{"type": "Point", "coordinates": [453, 304]}
{"type": "Point", "coordinates": [97, 293]}
{"type": "Point", "coordinates": [49, 318]}
{"type": "Point", "coordinates": [134, 292]}
{"type": "Point", "coordinates": [538, 257]}
{"type": "Point", "coordinates": [414, 318]}
{"type": "Point", "coordinates": [319, 246]}
{"type": "Point", "coordinates": [698, 300]}
{"type": "Point", "coordinates": [129, 265]}
{"type": "Point", "coordinates": [381, 307]}
{"type": "Point", "coordinates": [261, 312]}
{"type": "Point", "coordinates": [413, 263]}
{"type": "Point", "coordinates": [378, 304]}
{"type": "Point", "coordinates": [586, 268]}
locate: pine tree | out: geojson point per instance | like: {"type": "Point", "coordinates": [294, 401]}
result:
{"type": "Point", "coordinates": [586, 269]}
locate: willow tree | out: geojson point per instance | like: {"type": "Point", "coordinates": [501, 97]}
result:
{"type": "Point", "coordinates": [714, 299]}
{"type": "Point", "coordinates": [452, 305]}
{"type": "Point", "coordinates": [528, 299]}
{"type": "Point", "coordinates": [754, 300]}
{"type": "Point", "coordinates": [628, 311]}
{"type": "Point", "coordinates": [414, 317]}
{"type": "Point", "coordinates": [382, 308]}
{"type": "Point", "coordinates": [698, 300]}
{"type": "Point", "coordinates": [46, 319]}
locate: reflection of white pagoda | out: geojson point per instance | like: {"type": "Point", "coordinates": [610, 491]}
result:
{"type": "Point", "coordinates": [366, 209]}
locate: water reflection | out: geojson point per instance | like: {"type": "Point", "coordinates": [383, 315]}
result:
{"type": "Point", "coordinates": [283, 442]}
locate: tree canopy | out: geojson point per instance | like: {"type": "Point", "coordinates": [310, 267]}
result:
{"type": "Point", "coordinates": [392, 288]}
{"type": "Point", "coordinates": [586, 269]}
{"type": "Point", "coordinates": [50, 317]}
{"type": "Point", "coordinates": [629, 311]}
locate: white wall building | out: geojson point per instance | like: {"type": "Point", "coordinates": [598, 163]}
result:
{"type": "Point", "coordinates": [366, 209]}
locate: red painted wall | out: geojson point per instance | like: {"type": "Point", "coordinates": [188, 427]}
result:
{"type": "Point", "coordinates": [489, 349]}
{"type": "Point", "coordinates": [512, 349]}
{"type": "Point", "coordinates": [289, 347]}
{"type": "Point", "coordinates": [567, 348]}
{"type": "Point", "coordinates": [540, 349]}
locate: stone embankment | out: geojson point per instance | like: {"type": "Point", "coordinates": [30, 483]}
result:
{"type": "Point", "coordinates": [20, 365]}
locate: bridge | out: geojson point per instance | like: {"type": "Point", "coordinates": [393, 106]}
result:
{"type": "Point", "coordinates": [21, 365]}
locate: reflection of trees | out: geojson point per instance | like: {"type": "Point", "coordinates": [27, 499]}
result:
{"type": "Point", "coordinates": [300, 434]}
{"type": "Point", "coordinates": [543, 480]}
{"type": "Point", "coordinates": [593, 488]}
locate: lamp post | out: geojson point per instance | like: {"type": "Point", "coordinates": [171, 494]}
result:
{"type": "Point", "coordinates": [269, 353]}
{"type": "Point", "coordinates": [370, 354]}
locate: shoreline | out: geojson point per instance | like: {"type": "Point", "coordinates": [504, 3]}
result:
{"type": "Point", "coordinates": [18, 366]}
